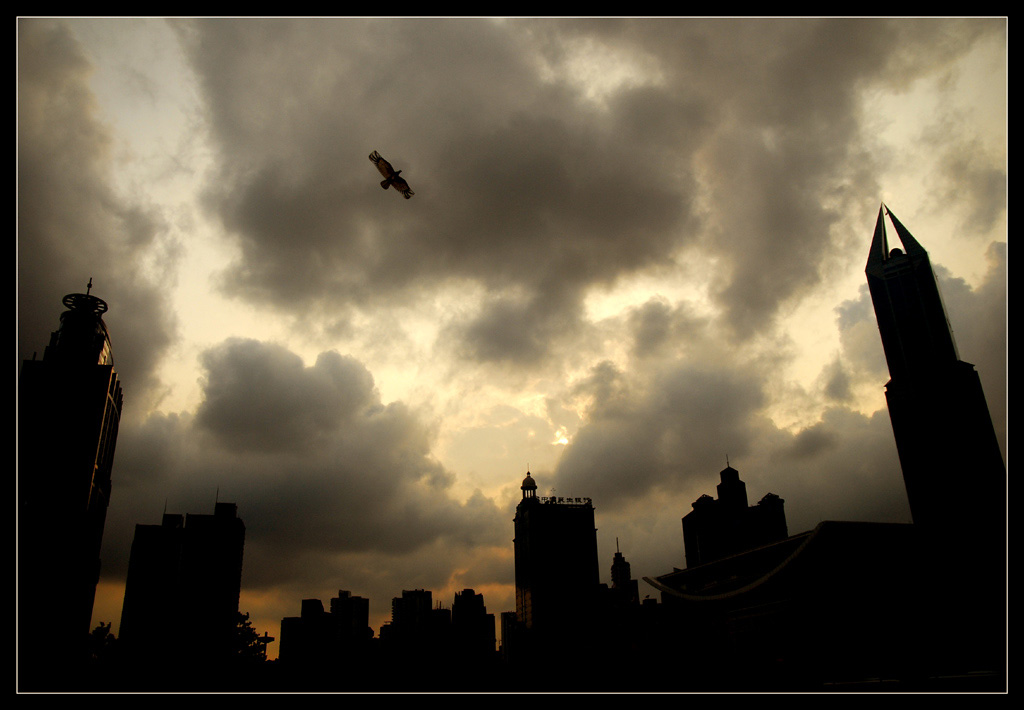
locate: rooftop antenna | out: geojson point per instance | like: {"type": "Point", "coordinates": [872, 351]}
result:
{"type": "Point", "coordinates": [88, 288]}
{"type": "Point", "coordinates": [616, 544]}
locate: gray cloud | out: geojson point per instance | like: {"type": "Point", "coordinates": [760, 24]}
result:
{"type": "Point", "coordinates": [261, 397]}
{"type": "Point", "coordinates": [323, 473]}
{"type": "Point", "coordinates": [523, 184]}
{"type": "Point", "coordinates": [978, 318]}
{"type": "Point", "coordinates": [72, 223]}
{"type": "Point", "coordinates": [518, 189]}
{"type": "Point", "coordinates": [643, 434]}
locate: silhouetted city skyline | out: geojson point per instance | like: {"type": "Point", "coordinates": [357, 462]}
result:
{"type": "Point", "coordinates": [629, 262]}
{"type": "Point", "coordinates": [774, 612]}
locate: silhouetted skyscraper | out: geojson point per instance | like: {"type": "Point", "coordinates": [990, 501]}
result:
{"type": "Point", "coordinates": [623, 585]}
{"type": "Point", "coordinates": [352, 619]}
{"type": "Point", "coordinates": [952, 466]}
{"type": "Point", "coordinates": [308, 639]}
{"type": "Point", "coordinates": [718, 528]}
{"type": "Point", "coordinates": [69, 408]}
{"type": "Point", "coordinates": [555, 563]}
{"type": "Point", "coordinates": [472, 628]}
{"type": "Point", "coordinates": [184, 580]}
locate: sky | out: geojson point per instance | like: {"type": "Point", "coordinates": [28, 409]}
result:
{"type": "Point", "coordinates": [635, 253]}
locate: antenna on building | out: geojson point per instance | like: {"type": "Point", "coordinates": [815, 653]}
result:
{"type": "Point", "coordinates": [88, 287]}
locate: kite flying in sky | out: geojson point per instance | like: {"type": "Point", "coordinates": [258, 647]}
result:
{"type": "Point", "coordinates": [392, 177]}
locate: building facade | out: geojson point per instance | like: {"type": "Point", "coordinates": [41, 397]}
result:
{"type": "Point", "coordinates": [69, 409]}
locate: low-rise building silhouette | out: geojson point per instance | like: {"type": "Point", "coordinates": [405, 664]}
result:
{"type": "Point", "coordinates": [316, 637]}
{"type": "Point", "coordinates": [832, 604]}
{"type": "Point", "coordinates": [718, 528]}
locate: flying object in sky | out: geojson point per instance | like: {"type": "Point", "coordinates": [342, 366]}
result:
{"type": "Point", "coordinates": [392, 177]}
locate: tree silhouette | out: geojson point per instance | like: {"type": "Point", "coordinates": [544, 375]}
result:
{"type": "Point", "coordinates": [250, 647]}
{"type": "Point", "coordinates": [102, 645]}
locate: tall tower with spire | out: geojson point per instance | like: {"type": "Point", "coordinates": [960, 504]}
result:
{"type": "Point", "coordinates": [952, 466]}
{"type": "Point", "coordinates": [69, 408]}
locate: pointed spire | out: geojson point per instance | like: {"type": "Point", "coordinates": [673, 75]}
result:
{"type": "Point", "coordinates": [910, 245]}
{"type": "Point", "coordinates": [879, 244]}
{"type": "Point", "coordinates": [879, 252]}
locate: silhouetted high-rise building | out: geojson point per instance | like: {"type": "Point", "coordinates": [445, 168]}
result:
{"type": "Point", "coordinates": [623, 585]}
{"type": "Point", "coordinates": [351, 616]}
{"type": "Point", "coordinates": [718, 528]}
{"type": "Point", "coordinates": [184, 580]}
{"type": "Point", "coordinates": [308, 639]}
{"type": "Point", "coordinates": [473, 628]}
{"type": "Point", "coordinates": [69, 408]}
{"type": "Point", "coordinates": [556, 563]}
{"type": "Point", "coordinates": [419, 635]}
{"type": "Point", "coordinates": [952, 466]}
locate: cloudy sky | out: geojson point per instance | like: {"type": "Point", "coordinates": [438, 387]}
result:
{"type": "Point", "coordinates": [636, 248]}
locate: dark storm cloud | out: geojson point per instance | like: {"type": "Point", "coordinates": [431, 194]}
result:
{"type": "Point", "coordinates": [652, 445]}
{"type": "Point", "coordinates": [971, 179]}
{"type": "Point", "coordinates": [658, 327]}
{"type": "Point", "coordinates": [845, 467]}
{"type": "Point", "coordinates": [521, 186]}
{"type": "Point", "coordinates": [72, 224]}
{"type": "Point", "coordinates": [291, 407]}
{"type": "Point", "coordinates": [978, 319]}
{"type": "Point", "coordinates": [662, 445]}
{"type": "Point", "coordinates": [789, 153]}
{"type": "Point", "coordinates": [837, 382]}
{"type": "Point", "coordinates": [648, 433]}
{"type": "Point", "coordinates": [318, 465]}
{"type": "Point", "coordinates": [525, 186]}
